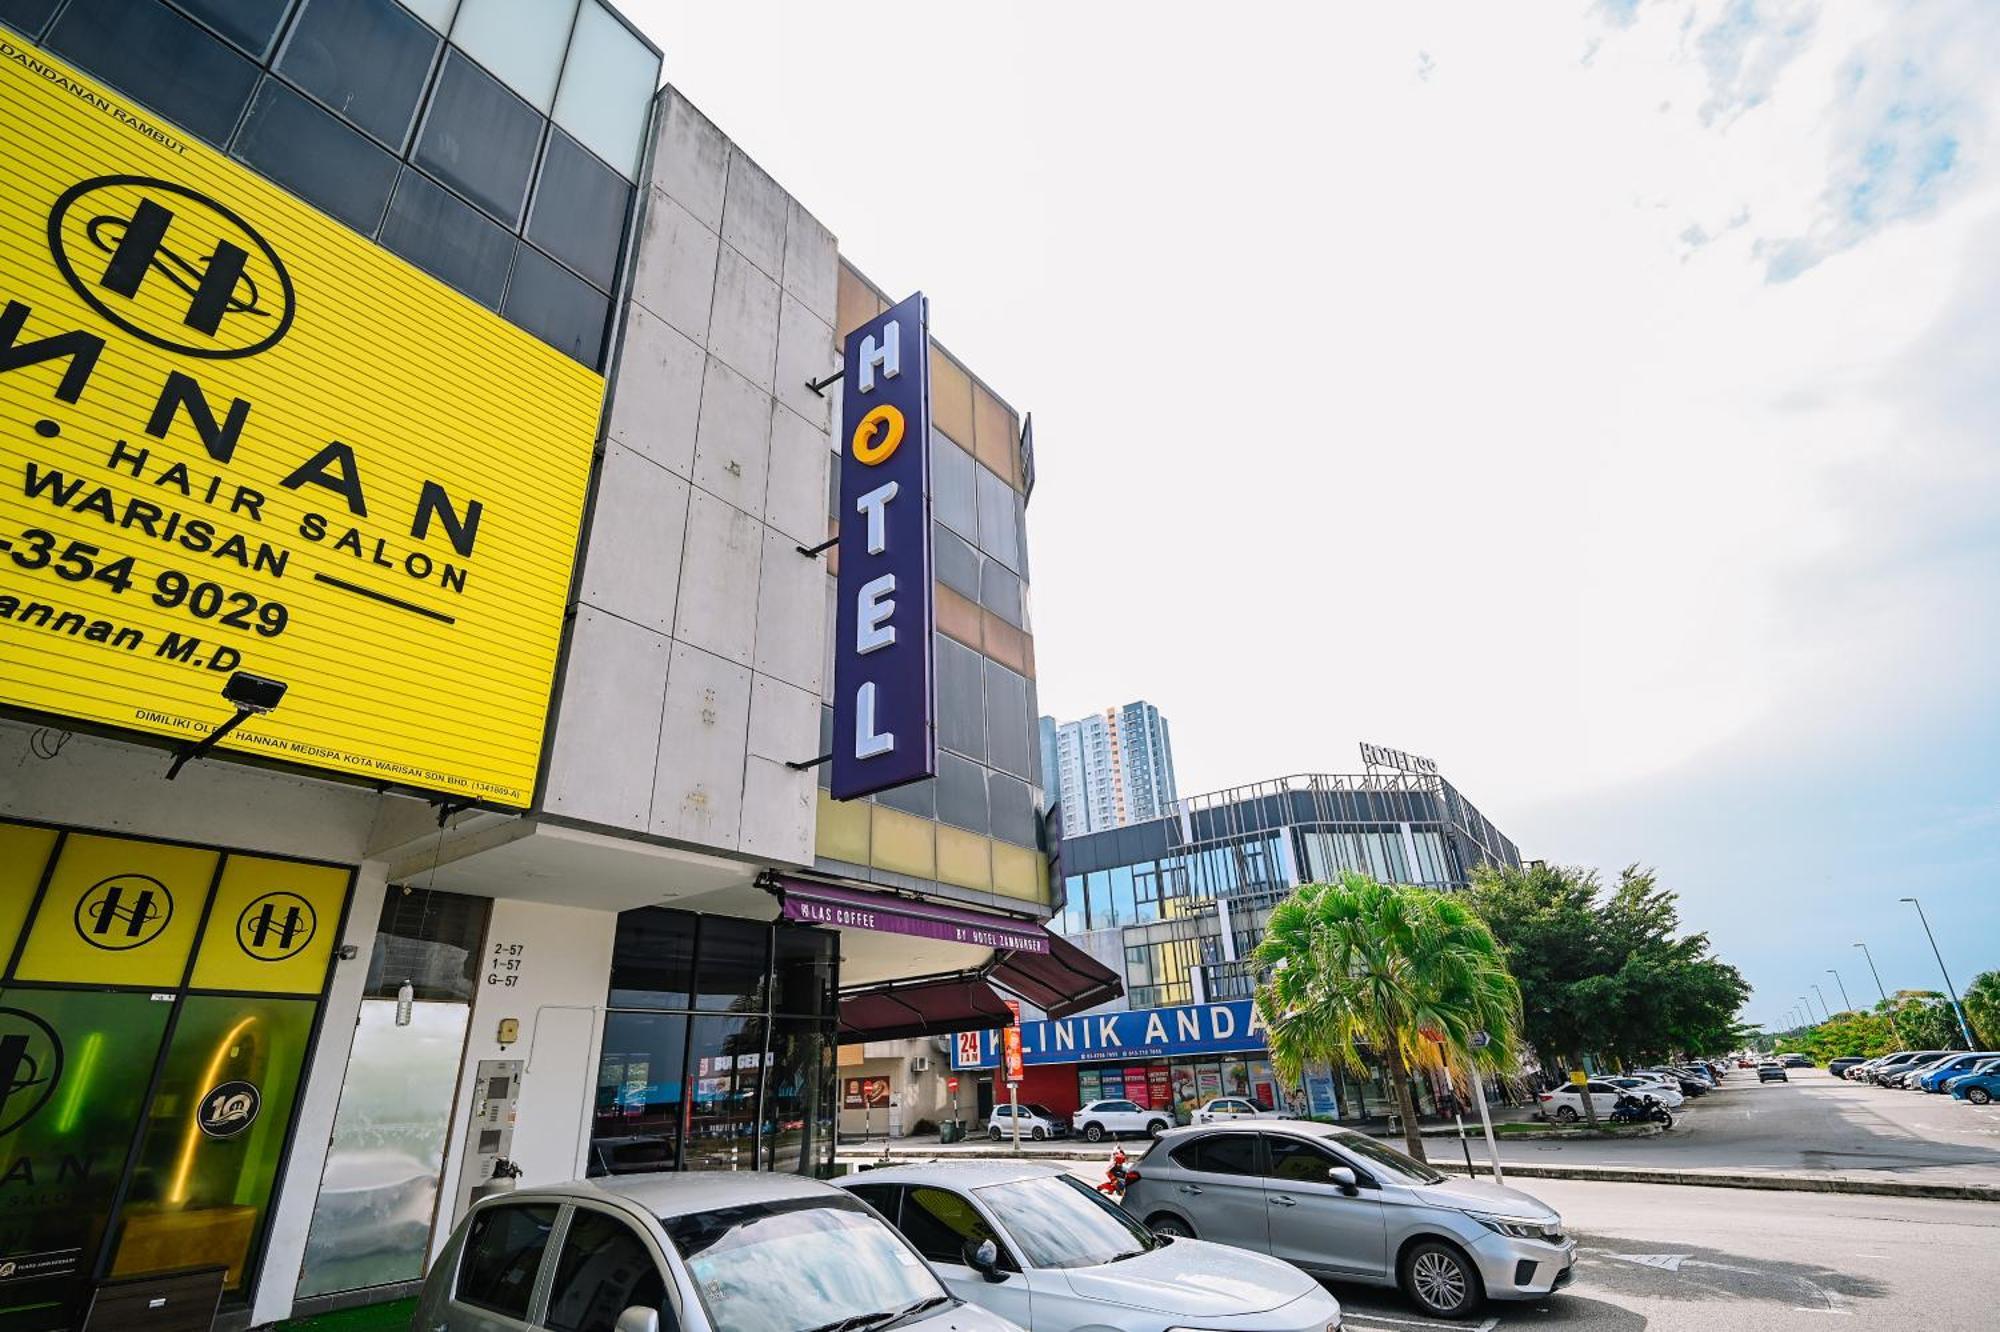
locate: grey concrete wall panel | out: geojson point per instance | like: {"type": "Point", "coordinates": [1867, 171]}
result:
{"type": "Point", "coordinates": [606, 755]}
{"type": "Point", "coordinates": [732, 446]}
{"type": "Point", "coordinates": [694, 598]}
{"type": "Point", "coordinates": [719, 577]}
{"type": "Point", "coordinates": [632, 568]}
{"type": "Point", "coordinates": [659, 392]}
{"type": "Point", "coordinates": [698, 790]}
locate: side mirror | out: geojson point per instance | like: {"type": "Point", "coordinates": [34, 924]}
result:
{"type": "Point", "coordinates": [638, 1318]}
{"type": "Point", "coordinates": [983, 1257]}
{"type": "Point", "coordinates": [1343, 1178]}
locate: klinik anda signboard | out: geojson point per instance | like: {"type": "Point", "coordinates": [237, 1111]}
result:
{"type": "Point", "coordinates": [1154, 1033]}
{"type": "Point", "coordinates": [884, 731]}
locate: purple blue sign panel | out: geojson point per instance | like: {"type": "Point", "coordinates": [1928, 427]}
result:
{"type": "Point", "coordinates": [854, 909]}
{"type": "Point", "coordinates": [884, 713]}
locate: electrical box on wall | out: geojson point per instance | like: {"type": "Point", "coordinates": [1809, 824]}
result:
{"type": "Point", "coordinates": [489, 1137]}
{"type": "Point", "coordinates": [510, 1031]}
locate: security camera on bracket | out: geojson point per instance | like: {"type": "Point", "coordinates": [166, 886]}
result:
{"type": "Point", "coordinates": [252, 694]}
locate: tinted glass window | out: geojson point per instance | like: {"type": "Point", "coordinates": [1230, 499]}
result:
{"type": "Point", "coordinates": [608, 81]}
{"type": "Point", "coordinates": [1299, 1162]}
{"type": "Point", "coordinates": [957, 563]}
{"type": "Point", "coordinates": [27, 15]}
{"type": "Point", "coordinates": [1000, 592]}
{"type": "Point", "coordinates": [316, 157]}
{"type": "Point", "coordinates": [1013, 807]}
{"type": "Point", "coordinates": [1227, 1154]}
{"type": "Point", "coordinates": [251, 24]}
{"type": "Point", "coordinates": [800, 1096]}
{"type": "Point", "coordinates": [999, 534]}
{"type": "Point", "coordinates": [881, 1197]}
{"type": "Point", "coordinates": [448, 238]}
{"type": "Point", "coordinates": [652, 959]}
{"type": "Point", "coordinates": [430, 939]}
{"type": "Point", "coordinates": [961, 786]}
{"type": "Point", "coordinates": [940, 1223]}
{"type": "Point", "coordinates": [503, 1251]}
{"type": "Point", "coordinates": [952, 487]}
{"type": "Point", "coordinates": [730, 965]}
{"type": "Point", "coordinates": [726, 1065]}
{"type": "Point", "coordinates": [604, 1269]}
{"type": "Point", "coordinates": [636, 1125]}
{"type": "Point", "coordinates": [1006, 719]}
{"type": "Point", "coordinates": [480, 139]}
{"type": "Point", "coordinates": [961, 692]}
{"type": "Point", "coordinates": [804, 971]}
{"type": "Point", "coordinates": [579, 210]}
{"type": "Point", "coordinates": [172, 65]}
{"type": "Point", "coordinates": [366, 59]}
{"type": "Point", "coordinates": [557, 306]}
{"type": "Point", "coordinates": [918, 798]}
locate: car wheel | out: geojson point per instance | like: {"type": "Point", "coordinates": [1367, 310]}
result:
{"type": "Point", "coordinates": [1978, 1095]}
{"type": "Point", "coordinates": [993, 1132]}
{"type": "Point", "coordinates": [1566, 1113]}
{"type": "Point", "coordinates": [1166, 1223]}
{"type": "Point", "coordinates": [1440, 1280]}
{"type": "Point", "coordinates": [1040, 1134]}
{"type": "Point", "coordinates": [1156, 1128]}
{"type": "Point", "coordinates": [1094, 1132]}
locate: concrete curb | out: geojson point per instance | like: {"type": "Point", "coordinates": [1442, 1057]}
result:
{"type": "Point", "coordinates": [1884, 1188]}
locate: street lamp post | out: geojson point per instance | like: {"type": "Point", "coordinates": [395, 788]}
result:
{"type": "Point", "coordinates": [1806, 1005]}
{"type": "Point", "coordinates": [1964, 1027]}
{"type": "Point", "coordinates": [1846, 1004]}
{"type": "Point", "coordinates": [1887, 1007]}
{"type": "Point", "coordinates": [1822, 1001]}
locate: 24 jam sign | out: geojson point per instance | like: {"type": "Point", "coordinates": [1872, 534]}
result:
{"type": "Point", "coordinates": [234, 435]}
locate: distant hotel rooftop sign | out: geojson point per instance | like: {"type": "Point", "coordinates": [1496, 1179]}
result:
{"type": "Point", "coordinates": [1381, 756]}
{"type": "Point", "coordinates": [884, 711]}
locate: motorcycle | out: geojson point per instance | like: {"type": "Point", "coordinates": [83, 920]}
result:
{"type": "Point", "coordinates": [1116, 1176]}
{"type": "Point", "coordinates": [1633, 1110]}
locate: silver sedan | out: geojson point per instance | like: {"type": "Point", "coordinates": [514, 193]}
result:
{"type": "Point", "coordinates": [1344, 1206]}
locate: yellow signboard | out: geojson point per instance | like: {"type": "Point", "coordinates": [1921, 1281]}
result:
{"type": "Point", "coordinates": [270, 927]}
{"type": "Point", "coordinates": [237, 437]}
{"type": "Point", "coordinates": [118, 912]}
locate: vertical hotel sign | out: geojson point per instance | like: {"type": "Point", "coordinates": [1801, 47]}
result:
{"type": "Point", "coordinates": [237, 436]}
{"type": "Point", "coordinates": [884, 728]}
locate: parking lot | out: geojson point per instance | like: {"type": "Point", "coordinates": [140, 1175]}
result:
{"type": "Point", "coordinates": [1667, 1258]}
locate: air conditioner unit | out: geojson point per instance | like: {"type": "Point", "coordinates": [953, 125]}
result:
{"type": "Point", "coordinates": [920, 1064]}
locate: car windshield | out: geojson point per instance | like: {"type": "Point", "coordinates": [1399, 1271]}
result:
{"type": "Point", "coordinates": [1386, 1160]}
{"type": "Point", "coordinates": [1060, 1222]}
{"type": "Point", "coordinates": [1041, 1110]}
{"type": "Point", "coordinates": [805, 1265]}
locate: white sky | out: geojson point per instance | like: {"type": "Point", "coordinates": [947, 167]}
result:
{"type": "Point", "coordinates": [1597, 398]}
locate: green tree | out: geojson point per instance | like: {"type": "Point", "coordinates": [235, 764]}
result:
{"type": "Point", "coordinates": [1410, 973]}
{"type": "Point", "coordinates": [1982, 1008]}
{"type": "Point", "coordinates": [1609, 974]}
{"type": "Point", "coordinates": [1925, 1019]}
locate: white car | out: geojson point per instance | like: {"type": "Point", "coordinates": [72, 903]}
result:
{"type": "Point", "coordinates": [1670, 1097]}
{"type": "Point", "coordinates": [686, 1252]}
{"type": "Point", "coordinates": [1225, 1108]}
{"type": "Point", "coordinates": [1038, 1123]}
{"type": "Point", "coordinates": [1035, 1245]}
{"type": "Point", "coordinates": [1566, 1103]}
{"type": "Point", "coordinates": [1107, 1119]}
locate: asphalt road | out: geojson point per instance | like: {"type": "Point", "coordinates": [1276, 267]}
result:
{"type": "Point", "coordinates": [1813, 1124]}
{"type": "Point", "coordinates": [1666, 1257]}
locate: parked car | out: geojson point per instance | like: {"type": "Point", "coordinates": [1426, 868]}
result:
{"type": "Point", "coordinates": [689, 1252]}
{"type": "Point", "coordinates": [1989, 1064]}
{"type": "Point", "coordinates": [1905, 1077]}
{"type": "Point", "coordinates": [1031, 1243]}
{"type": "Point", "coordinates": [1225, 1109]}
{"type": "Point", "coordinates": [1896, 1063]}
{"type": "Point", "coordinates": [1838, 1067]}
{"type": "Point", "coordinates": [1645, 1087]}
{"type": "Point", "coordinates": [1772, 1071]}
{"type": "Point", "coordinates": [1979, 1088]}
{"type": "Point", "coordinates": [1932, 1079]}
{"type": "Point", "coordinates": [1565, 1104]}
{"type": "Point", "coordinates": [1038, 1122]}
{"type": "Point", "coordinates": [1107, 1119]}
{"type": "Point", "coordinates": [1346, 1207]}
{"type": "Point", "coordinates": [1796, 1061]}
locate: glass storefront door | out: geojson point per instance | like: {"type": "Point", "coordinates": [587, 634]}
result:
{"type": "Point", "coordinates": [158, 1006]}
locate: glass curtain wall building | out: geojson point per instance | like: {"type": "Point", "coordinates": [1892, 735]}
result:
{"type": "Point", "coordinates": [494, 144]}
{"type": "Point", "coordinates": [1187, 897]}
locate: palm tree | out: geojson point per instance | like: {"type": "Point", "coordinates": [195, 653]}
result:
{"type": "Point", "coordinates": [1410, 972]}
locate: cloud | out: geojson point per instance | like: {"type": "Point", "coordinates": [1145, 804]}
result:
{"type": "Point", "coordinates": [1746, 49]}
{"type": "Point", "coordinates": [1907, 133]}
{"type": "Point", "coordinates": [1618, 13]}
